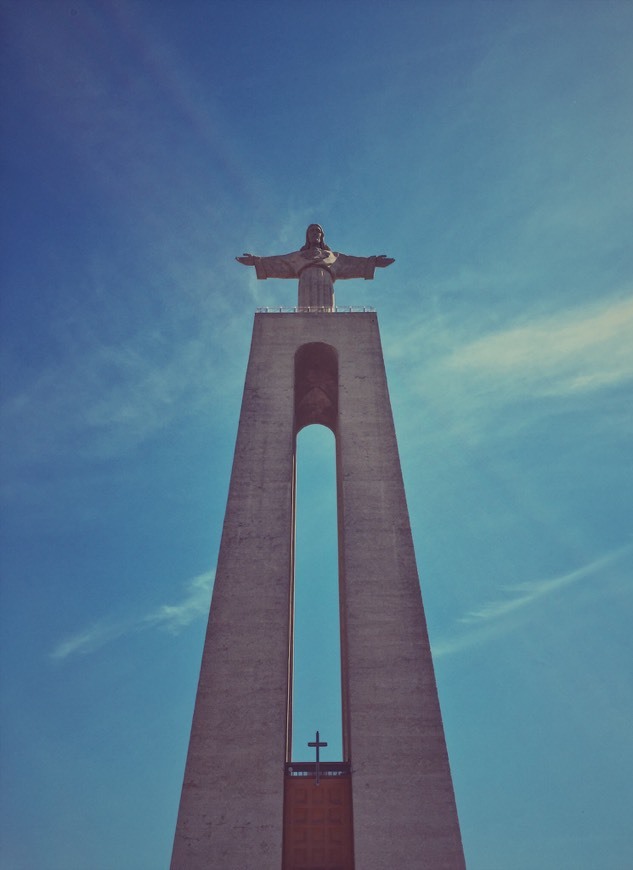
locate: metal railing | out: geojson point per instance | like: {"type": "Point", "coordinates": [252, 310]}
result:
{"type": "Point", "coordinates": [326, 768]}
{"type": "Point", "coordinates": [347, 309]}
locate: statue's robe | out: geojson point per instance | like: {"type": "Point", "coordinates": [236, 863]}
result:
{"type": "Point", "coordinates": [317, 270]}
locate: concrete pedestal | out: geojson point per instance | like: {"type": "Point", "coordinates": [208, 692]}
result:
{"type": "Point", "coordinates": [326, 368]}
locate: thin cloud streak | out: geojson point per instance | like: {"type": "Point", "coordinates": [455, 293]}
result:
{"type": "Point", "coordinates": [92, 638]}
{"type": "Point", "coordinates": [107, 399]}
{"type": "Point", "coordinates": [494, 618]}
{"type": "Point", "coordinates": [169, 617]}
{"type": "Point", "coordinates": [585, 349]}
{"type": "Point", "coordinates": [174, 617]}
{"type": "Point", "coordinates": [538, 589]}
{"type": "Point", "coordinates": [451, 385]}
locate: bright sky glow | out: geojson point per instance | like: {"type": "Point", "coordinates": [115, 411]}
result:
{"type": "Point", "coordinates": [487, 146]}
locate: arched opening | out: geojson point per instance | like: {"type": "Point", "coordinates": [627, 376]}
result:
{"type": "Point", "coordinates": [315, 642]}
{"type": "Point", "coordinates": [316, 692]}
{"type": "Point", "coordinates": [316, 775]}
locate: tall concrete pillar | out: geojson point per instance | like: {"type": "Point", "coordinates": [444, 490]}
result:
{"type": "Point", "coordinates": [317, 368]}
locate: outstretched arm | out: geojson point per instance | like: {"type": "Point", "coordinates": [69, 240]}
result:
{"type": "Point", "coordinates": [283, 266]}
{"type": "Point", "coordinates": [346, 266]}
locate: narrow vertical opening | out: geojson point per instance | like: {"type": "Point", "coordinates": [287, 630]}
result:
{"type": "Point", "coordinates": [316, 692]}
{"type": "Point", "coordinates": [317, 702]}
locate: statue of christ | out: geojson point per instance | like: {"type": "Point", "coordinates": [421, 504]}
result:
{"type": "Point", "coordinates": [317, 267]}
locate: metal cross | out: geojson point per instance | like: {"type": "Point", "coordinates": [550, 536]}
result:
{"type": "Point", "coordinates": [317, 744]}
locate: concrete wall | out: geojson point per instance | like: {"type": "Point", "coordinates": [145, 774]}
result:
{"type": "Point", "coordinates": [403, 805]}
{"type": "Point", "coordinates": [231, 810]}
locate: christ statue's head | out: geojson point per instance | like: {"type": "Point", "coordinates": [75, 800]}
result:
{"type": "Point", "coordinates": [315, 238]}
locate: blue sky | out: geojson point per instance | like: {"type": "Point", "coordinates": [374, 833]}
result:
{"type": "Point", "coordinates": [487, 147]}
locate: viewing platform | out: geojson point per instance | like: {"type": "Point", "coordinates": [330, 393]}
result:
{"type": "Point", "coordinates": [346, 309]}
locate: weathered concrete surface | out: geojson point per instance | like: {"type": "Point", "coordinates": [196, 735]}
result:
{"type": "Point", "coordinates": [231, 812]}
{"type": "Point", "coordinates": [403, 802]}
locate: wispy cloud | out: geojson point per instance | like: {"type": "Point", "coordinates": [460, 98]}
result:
{"type": "Point", "coordinates": [169, 617]}
{"type": "Point", "coordinates": [135, 340]}
{"type": "Point", "coordinates": [524, 594]}
{"type": "Point", "coordinates": [572, 351]}
{"type": "Point", "coordinates": [93, 637]}
{"type": "Point", "coordinates": [496, 617]}
{"type": "Point", "coordinates": [104, 399]}
{"type": "Point", "coordinates": [195, 604]}
{"type": "Point", "coordinates": [453, 384]}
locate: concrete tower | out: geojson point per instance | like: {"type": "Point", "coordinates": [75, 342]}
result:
{"type": "Point", "coordinates": [390, 803]}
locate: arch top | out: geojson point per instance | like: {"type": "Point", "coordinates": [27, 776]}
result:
{"type": "Point", "coordinates": [316, 386]}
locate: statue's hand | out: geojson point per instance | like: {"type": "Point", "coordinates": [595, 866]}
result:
{"type": "Point", "coordinates": [247, 259]}
{"type": "Point", "coordinates": [382, 260]}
